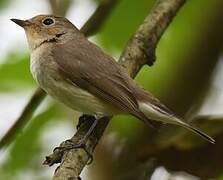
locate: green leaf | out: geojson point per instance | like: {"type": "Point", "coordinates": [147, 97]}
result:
{"type": "Point", "coordinates": [15, 74]}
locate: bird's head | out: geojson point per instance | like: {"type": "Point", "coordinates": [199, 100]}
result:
{"type": "Point", "coordinates": [43, 28]}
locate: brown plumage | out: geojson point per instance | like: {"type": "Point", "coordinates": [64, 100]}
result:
{"type": "Point", "coordinates": [79, 74]}
{"type": "Point", "coordinates": [89, 74]}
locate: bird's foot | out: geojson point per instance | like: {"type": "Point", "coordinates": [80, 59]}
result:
{"type": "Point", "coordinates": [69, 144]}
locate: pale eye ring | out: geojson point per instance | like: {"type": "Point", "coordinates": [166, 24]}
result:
{"type": "Point", "coordinates": [48, 21]}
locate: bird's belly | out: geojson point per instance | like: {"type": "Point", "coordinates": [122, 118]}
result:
{"type": "Point", "coordinates": [78, 99]}
{"type": "Point", "coordinates": [70, 94]}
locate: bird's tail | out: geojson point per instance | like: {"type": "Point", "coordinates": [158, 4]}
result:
{"type": "Point", "coordinates": [156, 113]}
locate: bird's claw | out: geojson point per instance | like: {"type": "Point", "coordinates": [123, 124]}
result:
{"type": "Point", "coordinates": [69, 144]}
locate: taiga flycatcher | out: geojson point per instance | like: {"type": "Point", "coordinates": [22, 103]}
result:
{"type": "Point", "coordinates": [82, 76]}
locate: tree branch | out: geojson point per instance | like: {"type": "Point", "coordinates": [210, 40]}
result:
{"type": "Point", "coordinates": [25, 116]}
{"type": "Point", "coordinates": [60, 8]}
{"type": "Point", "coordinates": [93, 25]}
{"type": "Point", "coordinates": [139, 51]}
{"type": "Point", "coordinates": [104, 9]}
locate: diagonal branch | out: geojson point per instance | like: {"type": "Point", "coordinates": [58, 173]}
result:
{"type": "Point", "coordinates": [93, 25]}
{"type": "Point", "coordinates": [139, 51]}
{"type": "Point", "coordinates": [25, 116]}
{"type": "Point", "coordinates": [102, 11]}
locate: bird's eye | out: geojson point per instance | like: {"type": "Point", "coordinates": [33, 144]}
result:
{"type": "Point", "coordinates": [48, 21]}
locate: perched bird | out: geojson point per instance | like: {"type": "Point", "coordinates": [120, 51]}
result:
{"type": "Point", "coordinates": [82, 76]}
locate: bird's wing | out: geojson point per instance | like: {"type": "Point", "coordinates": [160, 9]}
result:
{"type": "Point", "coordinates": [88, 67]}
{"type": "Point", "coordinates": [144, 96]}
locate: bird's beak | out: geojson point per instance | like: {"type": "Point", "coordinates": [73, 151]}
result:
{"type": "Point", "coordinates": [21, 23]}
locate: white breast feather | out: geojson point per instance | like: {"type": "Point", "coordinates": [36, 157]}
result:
{"type": "Point", "coordinates": [68, 93]}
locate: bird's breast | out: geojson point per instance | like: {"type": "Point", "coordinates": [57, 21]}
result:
{"type": "Point", "coordinates": [45, 71]}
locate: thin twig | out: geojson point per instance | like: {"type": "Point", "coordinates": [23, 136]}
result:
{"type": "Point", "coordinates": [25, 116]}
{"type": "Point", "coordinates": [139, 51]}
{"type": "Point", "coordinates": [90, 27]}
{"type": "Point", "coordinates": [93, 24]}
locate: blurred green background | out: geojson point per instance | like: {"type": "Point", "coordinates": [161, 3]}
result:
{"type": "Point", "coordinates": [186, 76]}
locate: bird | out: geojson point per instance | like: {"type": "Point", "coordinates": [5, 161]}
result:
{"type": "Point", "coordinates": [82, 76]}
